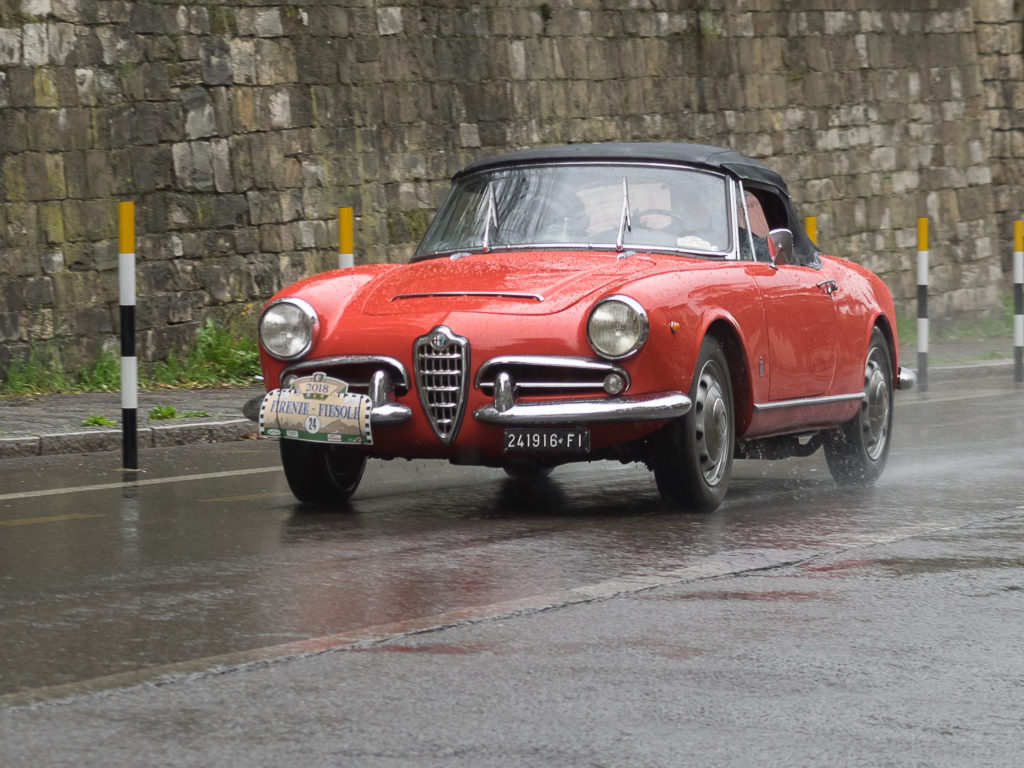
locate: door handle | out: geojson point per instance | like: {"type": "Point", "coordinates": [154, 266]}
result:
{"type": "Point", "coordinates": [830, 286]}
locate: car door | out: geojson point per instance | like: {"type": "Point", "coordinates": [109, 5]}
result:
{"type": "Point", "coordinates": [800, 310]}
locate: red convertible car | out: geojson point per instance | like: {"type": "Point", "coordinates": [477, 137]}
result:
{"type": "Point", "coordinates": [655, 303]}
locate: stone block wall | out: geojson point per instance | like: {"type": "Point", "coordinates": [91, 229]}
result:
{"type": "Point", "coordinates": [999, 27]}
{"type": "Point", "coordinates": [239, 128]}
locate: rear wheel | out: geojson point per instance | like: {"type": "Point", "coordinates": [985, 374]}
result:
{"type": "Point", "coordinates": [857, 451]}
{"type": "Point", "coordinates": [693, 460]}
{"type": "Point", "coordinates": [319, 473]}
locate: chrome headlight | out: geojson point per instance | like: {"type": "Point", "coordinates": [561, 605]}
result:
{"type": "Point", "coordinates": [617, 327]}
{"type": "Point", "coordinates": [288, 328]}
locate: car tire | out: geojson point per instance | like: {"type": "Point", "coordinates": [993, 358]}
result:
{"type": "Point", "coordinates": [694, 454]}
{"type": "Point", "coordinates": [856, 452]}
{"type": "Point", "coordinates": [321, 474]}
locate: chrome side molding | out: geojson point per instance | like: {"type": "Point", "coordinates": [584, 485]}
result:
{"type": "Point", "coordinates": [803, 402]}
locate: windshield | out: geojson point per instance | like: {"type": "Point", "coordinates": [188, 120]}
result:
{"type": "Point", "coordinates": [613, 206]}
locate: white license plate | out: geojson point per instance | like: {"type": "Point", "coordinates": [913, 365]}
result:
{"type": "Point", "coordinates": [526, 440]}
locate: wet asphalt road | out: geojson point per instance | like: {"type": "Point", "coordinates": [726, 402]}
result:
{"type": "Point", "coordinates": [573, 623]}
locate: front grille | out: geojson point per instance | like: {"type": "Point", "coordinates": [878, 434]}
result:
{"type": "Point", "coordinates": [441, 360]}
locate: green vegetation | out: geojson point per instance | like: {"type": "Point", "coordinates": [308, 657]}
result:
{"type": "Point", "coordinates": [41, 372]}
{"type": "Point", "coordinates": [217, 358]}
{"type": "Point", "coordinates": [162, 412]}
{"type": "Point", "coordinates": [978, 337]}
{"type": "Point", "coordinates": [98, 421]}
{"type": "Point", "coordinates": [996, 326]}
{"type": "Point", "coordinates": [103, 375]}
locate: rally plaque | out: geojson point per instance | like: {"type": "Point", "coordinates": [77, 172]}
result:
{"type": "Point", "coordinates": [319, 409]}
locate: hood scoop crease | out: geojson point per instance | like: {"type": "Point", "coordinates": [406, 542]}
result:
{"type": "Point", "coordinates": [473, 294]}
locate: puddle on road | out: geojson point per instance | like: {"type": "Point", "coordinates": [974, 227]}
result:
{"type": "Point", "coordinates": [932, 565]}
{"type": "Point", "coordinates": [667, 648]}
{"type": "Point", "coordinates": [728, 594]}
{"type": "Point", "coordinates": [914, 566]}
{"type": "Point", "coordinates": [441, 648]}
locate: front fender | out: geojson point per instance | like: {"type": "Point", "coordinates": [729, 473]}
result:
{"type": "Point", "coordinates": [683, 308]}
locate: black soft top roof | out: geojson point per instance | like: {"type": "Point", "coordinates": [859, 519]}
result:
{"type": "Point", "coordinates": [700, 155]}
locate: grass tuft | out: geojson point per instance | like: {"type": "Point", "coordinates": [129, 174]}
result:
{"type": "Point", "coordinates": [98, 421]}
{"type": "Point", "coordinates": [162, 412]}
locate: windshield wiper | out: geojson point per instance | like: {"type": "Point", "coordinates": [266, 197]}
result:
{"type": "Point", "coordinates": [625, 222]}
{"type": "Point", "coordinates": [492, 217]}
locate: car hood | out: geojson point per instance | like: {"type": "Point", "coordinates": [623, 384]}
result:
{"type": "Point", "coordinates": [514, 283]}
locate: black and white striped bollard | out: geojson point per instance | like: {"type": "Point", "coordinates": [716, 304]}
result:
{"type": "Point", "coordinates": [1018, 301]}
{"type": "Point", "coordinates": [922, 305]}
{"type": "Point", "coordinates": [129, 362]}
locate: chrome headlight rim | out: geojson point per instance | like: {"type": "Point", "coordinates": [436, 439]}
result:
{"type": "Point", "coordinates": [312, 320]}
{"type": "Point", "coordinates": [638, 342]}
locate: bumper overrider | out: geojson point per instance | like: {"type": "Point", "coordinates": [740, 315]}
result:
{"type": "Point", "coordinates": [906, 379]}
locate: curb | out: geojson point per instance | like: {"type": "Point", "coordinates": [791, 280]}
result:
{"type": "Point", "coordinates": [101, 440]}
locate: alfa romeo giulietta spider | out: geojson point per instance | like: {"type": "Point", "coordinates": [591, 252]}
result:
{"type": "Point", "coordinates": [656, 303]}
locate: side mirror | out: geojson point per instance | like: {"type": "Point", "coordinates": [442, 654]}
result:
{"type": "Point", "coordinates": [780, 246]}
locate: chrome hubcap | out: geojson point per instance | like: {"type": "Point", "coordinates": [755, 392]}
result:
{"type": "Point", "coordinates": [877, 406]}
{"type": "Point", "coordinates": [712, 425]}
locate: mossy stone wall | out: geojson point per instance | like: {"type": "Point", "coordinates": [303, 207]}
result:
{"type": "Point", "coordinates": [239, 128]}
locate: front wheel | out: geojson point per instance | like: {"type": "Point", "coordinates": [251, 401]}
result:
{"type": "Point", "coordinates": [693, 459]}
{"type": "Point", "coordinates": [319, 473]}
{"type": "Point", "coordinates": [856, 453]}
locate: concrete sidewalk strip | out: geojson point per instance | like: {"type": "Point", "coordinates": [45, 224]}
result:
{"type": "Point", "coordinates": [51, 424]}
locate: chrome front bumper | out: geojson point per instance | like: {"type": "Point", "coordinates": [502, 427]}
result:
{"type": "Point", "coordinates": [659, 407]}
{"type": "Point", "coordinates": [663, 407]}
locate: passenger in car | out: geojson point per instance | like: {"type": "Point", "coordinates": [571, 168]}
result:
{"type": "Point", "coordinates": [758, 231]}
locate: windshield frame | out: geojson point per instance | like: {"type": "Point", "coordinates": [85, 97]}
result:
{"type": "Point", "coordinates": [618, 246]}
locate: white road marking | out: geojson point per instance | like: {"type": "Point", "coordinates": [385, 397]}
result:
{"type": "Point", "coordinates": [135, 483]}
